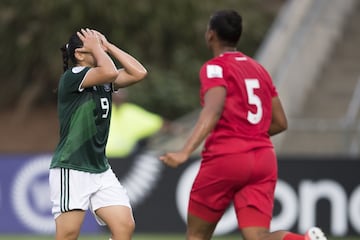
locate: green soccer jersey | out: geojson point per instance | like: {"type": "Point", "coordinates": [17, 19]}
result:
{"type": "Point", "coordinates": [84, 117]}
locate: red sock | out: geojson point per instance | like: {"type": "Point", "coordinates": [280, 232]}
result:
{"type": "Point", "coordinates": [293, 236]}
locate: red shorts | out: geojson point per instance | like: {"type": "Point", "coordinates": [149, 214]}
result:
{"type": "Point", "coordinates": [246, 179]}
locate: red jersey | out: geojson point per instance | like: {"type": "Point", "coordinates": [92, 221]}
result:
{"type": "Point", "coordinates": [246, 116]}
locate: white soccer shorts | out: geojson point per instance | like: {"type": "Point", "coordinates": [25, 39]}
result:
{"type": "Point", "coordinates": [72, 189]}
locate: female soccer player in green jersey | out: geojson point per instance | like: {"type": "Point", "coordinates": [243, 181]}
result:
{"type": "Point", "coordinates": [80, 176]}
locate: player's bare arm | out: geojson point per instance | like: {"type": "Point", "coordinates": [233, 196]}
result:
{"type": "Point", "coordinates": [214, 102]}
{"type": "Point", "coordinates": [104, 70]}
{"type": "Point", "coordinates": [132, 71]}
{"type": "Point", "coordinates": [278, 121]}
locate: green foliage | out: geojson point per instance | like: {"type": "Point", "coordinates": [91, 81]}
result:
{"type": "Point", "coordinates": [166, 36]}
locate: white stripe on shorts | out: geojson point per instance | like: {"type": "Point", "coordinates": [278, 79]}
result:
{"type": "Point", "coordinates": [65, 190]}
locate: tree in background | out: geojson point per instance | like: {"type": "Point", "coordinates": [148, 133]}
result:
{"type": "Point", "coordinates": [166, 35]}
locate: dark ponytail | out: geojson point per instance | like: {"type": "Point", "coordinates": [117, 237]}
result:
{"type": "Point", "coordinates": [65, 56]}
{"type": "Point", "coordinates": [68, 50]}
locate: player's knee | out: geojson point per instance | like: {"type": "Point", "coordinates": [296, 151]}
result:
{"type": "Point", "coordinates": [122, 229]}
{"type": "Point", "coordinates": [196, 234]}
{"type": "Point", "coordinates": [130, 224]}
{"type": "Point", "coordinates": [69, 234]}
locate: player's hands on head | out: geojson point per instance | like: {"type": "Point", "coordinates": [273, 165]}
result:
{"type": "Point", "coordinates": [174, 159]}
{"type": "Point", "coordinates": [90, 40]}
{"type": "Point", "coordinates": [104, 42]}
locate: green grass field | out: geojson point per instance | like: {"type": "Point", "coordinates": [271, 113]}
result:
{"type": "Point", "coordinates": [138, 237]}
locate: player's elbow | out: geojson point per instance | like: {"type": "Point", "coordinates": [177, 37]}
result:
{"type": "Point", "coordinates": [141, 74]}
{"type": "Point", "coordinates": [283, 125]}
{"type": "Point", "coordinates": [278, 126]}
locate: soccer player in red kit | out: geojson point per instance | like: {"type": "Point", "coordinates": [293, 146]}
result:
{"type": "Point", "coordinates": [241, 110]}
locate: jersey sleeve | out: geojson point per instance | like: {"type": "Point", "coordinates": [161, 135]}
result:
{"type": "Point", "coordinates": [77, 77]}
{"type": "Point", "coordinates": [274, 92]}
{"type": "Point", "coordinates": [211, 75]}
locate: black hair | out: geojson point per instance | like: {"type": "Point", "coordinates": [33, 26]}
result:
{"type": "Point", "coordinates": [68, 50]}
{"type": "Point", "coordinates": [228, 26]}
